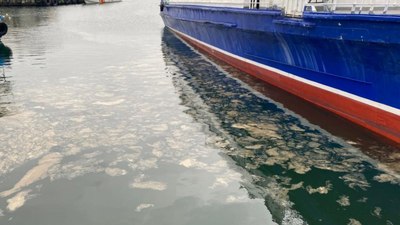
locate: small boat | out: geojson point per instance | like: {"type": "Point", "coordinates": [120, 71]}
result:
{"type": "Point", "coordinates": [342, 55]}
{"type": "Point", "coordinates": [89, 2]}
{"type": "Point", "coordinates": [3, 27]}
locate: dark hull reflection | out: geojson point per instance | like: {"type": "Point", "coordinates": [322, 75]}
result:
{"type": "Point", "coordinates": [305, 175]}
{"type": "Point", "coordinates": [5, 54]}
{"type": "Point", "coordinates": [5, 85]}
{"type": "Point", "coordinates": [371, 144]}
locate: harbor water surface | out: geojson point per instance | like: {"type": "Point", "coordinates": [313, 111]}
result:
{"type": "Point", "coordinates": [107, 118]}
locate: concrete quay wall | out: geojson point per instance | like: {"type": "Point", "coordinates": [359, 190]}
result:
{"type": "Point", "coordinates": [39, 2]}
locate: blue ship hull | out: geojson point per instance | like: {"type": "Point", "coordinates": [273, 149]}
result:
{"type": "Point", "coordinates": [3, 27]}
{"type": "Point", "coordinates": [341, 59]}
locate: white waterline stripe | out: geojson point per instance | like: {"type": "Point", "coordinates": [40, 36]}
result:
{"type": "Point", "coordinates": [294, 77]}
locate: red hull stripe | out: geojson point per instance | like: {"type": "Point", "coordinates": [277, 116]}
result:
{"type": "Point", "coordinates": [381, 119]}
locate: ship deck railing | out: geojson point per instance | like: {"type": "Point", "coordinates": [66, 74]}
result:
{"type": "Point", "coordinates": [356, 7]}
{"type": "Point", "coordinates": [296, 8]}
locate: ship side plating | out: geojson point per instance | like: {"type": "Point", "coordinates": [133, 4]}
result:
{"type": "Point", "coordinates": [346, 63]}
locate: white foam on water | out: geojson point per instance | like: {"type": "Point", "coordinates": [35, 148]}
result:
{"type": "Point", "coordinates": [151, 185]}
{"type": "Point", "coordinates": [192, 163]}
{"type": "Point", "coordinates": [18, 200]}
{"type": "Point", "coordinates": [292, 218]}
{"type": "Point", "coordinates": [343, 200]}
{"type": "Point", "coordinates": [321, 190]}
{"type": "Point", "coordinates": [35, 174]}
{"type": "Point", "coordinates": [114, 172]}
{"type": "Point", "coordinates": [377, 212]}
{"type": "Point", "coordinates": [25, 136]}
{"type": "Point", "coordinates": [354, 180]}
{"type": "Point", "coordinates": [354, 222]}
{"type": "Point", "coordinates": [109, 103]}
{"type": "Point", "coordinates": [143, 206]}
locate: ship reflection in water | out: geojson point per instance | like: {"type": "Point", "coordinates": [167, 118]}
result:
{"type": "Point", "coordinates": [302, 172]}
{"type": "Point", "coordinates": [5, 85]}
